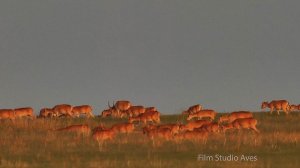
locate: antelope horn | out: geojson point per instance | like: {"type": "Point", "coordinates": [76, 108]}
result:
{"type": "Point", "coordinates": [109, 105]}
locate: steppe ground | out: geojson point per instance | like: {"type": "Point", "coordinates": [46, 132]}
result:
{"type": "Point", "coordinates": [31, 143]}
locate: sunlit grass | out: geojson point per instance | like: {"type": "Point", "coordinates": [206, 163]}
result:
{"type": "Point", "coordinates": [32, 143]}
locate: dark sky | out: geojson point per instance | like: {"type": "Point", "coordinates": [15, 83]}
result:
{"type": "Point", "coordinates": [226, 55]}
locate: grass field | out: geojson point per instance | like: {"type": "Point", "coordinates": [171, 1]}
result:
{"type": "Point", "coordinates": [29, 143]}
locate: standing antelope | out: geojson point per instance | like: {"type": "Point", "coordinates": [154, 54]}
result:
{"type": "Point", "coordinates": [194, 135]}
{"type": "Point", "coordinates": [83, 109]}
{"type": "Point", "coordinates": [135, 111]}
{"type": "Point", "coordinates": [63, 110]}
{"type": "Point", "coordinates": [101, 135]}
{"type": "Point", "coordinates": [46, 112]}
{"type": "Point", "coordinates": [203, 113]}
{"type": "Point", "coordinates": [24, 112]}
{"type": "Point", "coordinates": [123, 128]}
{"type": "Point", "coordinates": [118, 109]}
{"type": "Point", "coordinates": [7, 114]}
{"type": "Point", "coordinates": [277, 105]}
{"type": "Point", "coordinates": [165, 133]}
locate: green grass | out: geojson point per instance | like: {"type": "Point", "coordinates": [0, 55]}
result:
{"type": "Point", "coordinates": [31, 143]}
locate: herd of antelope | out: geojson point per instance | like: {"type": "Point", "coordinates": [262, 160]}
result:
{"type": "Point", "coordinates": [200, 122]}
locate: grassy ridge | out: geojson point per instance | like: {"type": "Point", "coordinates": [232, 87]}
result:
{"type": "Point", "coordinates": [31, 143]}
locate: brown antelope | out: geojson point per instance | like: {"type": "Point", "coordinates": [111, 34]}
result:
{"type": "Point", "coordinates": [79, 129]}
{"type": "Point", "coordinates": [194, 135]}
{"type": "Point", "coordinates": [133, 119]}
{"type": "Point", "coordinates": [82, 110]}
{"type": "Point", "coordinates": [165, 133]}
{"type": "Point", "coordinates": [295, 107]}
{"type": "Point", "coordinates": [248, 123]}
{"type": "Point", "coordinates": [100, 127]}
{"type": "Point", "coordinates": [203, 113]}
{"type": "Point", "coordinates": [106, 113]}
{"type": "Point", "coordinates": [123, 128]}
{"type": "Point", "coordinates": [298, 107]}
{"type": "Point", "coordinates": [118, 109]}
{"type": "Point", "coordinates": [153, 116]}
{"type": "Point", "coordinates": [7, 114]}
{"type": "Point", "coordinates": [150, 126]}
{"type": "Point", "coordinates": [63, 110]}
{"type": "Point", "coordinates": [210, 127]}
{"type": "Point", "coordinates": [235, 115]}
{"type": "Point", "coordinates": [173, 127]}
{"type": "Point", "coordinates": [46, 112]}
{"type": "Point", "coordinates": [194, 124]}
{"type": "Point", "coordinates": [148, 109]}
{"type": "Point", "coordinates": [226, 127]}
{"type": "Point", "coordinates": [193, 109]}
{"type": "Point", "coordinates": [277, 105]}
{"type": "Point", "coordinates": [101, 135]}
{"type": "Point", "coordinates": [135, 111]}
{"type": "Point", "coordinates": [24, 112]}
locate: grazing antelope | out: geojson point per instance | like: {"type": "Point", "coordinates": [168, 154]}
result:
{"type": "Point", "coordinates": [210, 127]}
{"type": "Point", "coordinates": [295, 107]}
{"type": "Point", "coordinates": [133, 119]}
{"type": "Point", "coordinates": [173, 127]}
{"type": "Point", "coordinates": [165, 133]}
{"type": "Point", "coordinates": [79, 129]}
{"type": "Point", "coordinates": [7, 114]}
{"type": "Point", "coordinates": [192, 109]}
{"type": "Point", "coordinates": [277, 105]}
{"type": "Point", "coordinates": [123, 128]}
{"type": "Point", "coordinates": [135, 110]}
{"type": "Point", "coordinates": [203, 113]}
{"type": "Point", "coordinates": [106, 113]}
{"type": "Point", "coordinates": [148, 109]}
{"type": "Point", "coordinates": [194, 124]}
{"type": "Point", "coordinates": [46, 112]}
{"type": "Point", "coordinates": [153, 116]}
{"type": "Point", "coordinates": [249, 123]}
{"type": "Point", "coordinates": [63, 110]}
{"type": "Point", "coordinates": [194, 135]}
{"type": "Point", "coordinates": [148, 127]}
{"type": "Point", "coordinates": [226, 127]}
{"type": "Point", "coordinates": [235, 115]}
{"type": "Point", "coordinates": [298, 107]}
{"type": "Point", "coordinates": [24, 112]}
{"type": "Point", "coordinates": [82, 110]}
